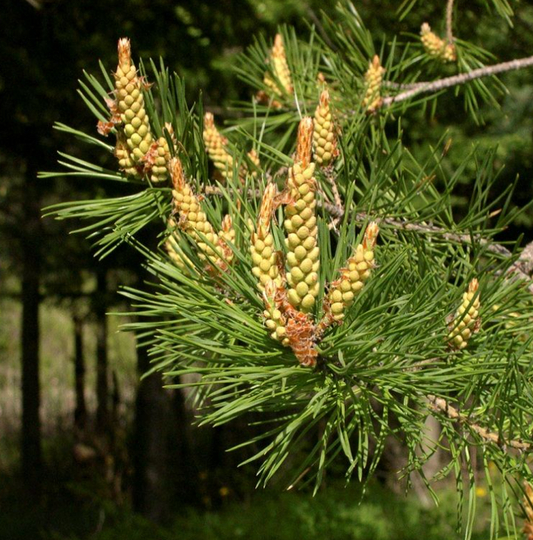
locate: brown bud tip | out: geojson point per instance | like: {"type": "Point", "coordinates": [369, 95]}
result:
{"type": "Point", "coordinates": [320, 78]}
{"type": "Point", "coordinates": [267, 207]}
{"type": "Point", "coordinates": [324, 98]}
{"type": "Point", "coordinates": [270, 291]}
{"type": "Point", "coordinates": [209, 120]}
{"type": "Point", "coordinates": [371, 235]}
{"type": "Point", "coordinates": [305, 139]}
{"type": "Point", "coordinates": [278, 49]}
{"type": "Point", "coordinates": [376, 64]}
{"type": "Point", "coordinates": [124, 52]}
{"type": "Point", "coordinates": [473, 286]}
{"type": "Point", "coordinates": [425, 29]}
{"type": "Point", "coordinates": [227, 223]}
{"type": "Point", "coordinates": [176, 171]}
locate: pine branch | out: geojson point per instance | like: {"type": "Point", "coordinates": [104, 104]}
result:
{"type": "Point", "coordinates": [515, 268]}
{"type": "Point", "coordinates": [455, 80]}
{"type": "Point", "coordinates": [400, 86]}
{"type": "Point", "coordinates": [441, 405]}
{"type": "Point", "coordinates": [449, 17]}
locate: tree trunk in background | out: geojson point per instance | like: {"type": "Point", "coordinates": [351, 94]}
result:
{"type": "Point", "coordinates": [102, 375]}
{"type": "Point", "coordinates": [31, 453]}
{"type": "Point", "coordinates": [163, 470]}
{"type": "Point", "coordinates": [150, 485]}
{"type": "Point", "coordinates": [80, 412]}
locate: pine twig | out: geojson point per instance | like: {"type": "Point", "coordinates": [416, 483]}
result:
{"type": "Point", "coordinates": [318, 23]}
{"type": "Point", "coordinates": [455, 80]}
{"type": "Point", "coordinates": [401, 86]}
{"type": "Point", "coordinates": [441, 405]}
{"type": "Point", "coordinates": [515, 268]}
{"type": "Point", "coordinates": [449, 20]}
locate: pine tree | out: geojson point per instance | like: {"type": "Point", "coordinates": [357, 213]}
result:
{"type": "Point", "coordinates": [272, 284]}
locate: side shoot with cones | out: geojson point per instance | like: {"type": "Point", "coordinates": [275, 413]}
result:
{"type": "Point", "coordinates": [213, 248]}
{"type": "Point", "coordinates": [289, 296]}
{"type": "Point", "coordinates": [324, 133]}
{"type": "Point", "coordinates": [287, 280]}
{"type": "Point", "coordinates": [217, 150]}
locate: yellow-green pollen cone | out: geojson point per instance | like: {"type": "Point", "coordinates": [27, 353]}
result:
{"type": "Point", "coordinates": [435, 46]}
{"type": "Point", "coordinates": [466, 320]}
{"type": "Point", "coordinates": [262, 249]}
{"type": "Point", "coordinates": [280, 68]}
{"type": "Point", "coordinates": [215, 145]}
{"type": "Point", "coordinates": [275, 320]}
{"type": "Point", "coordinates": [373, 78]}
{"type": "Point", "coordinates": [226, 236]}
{"type": "Point", "coordinates": [130, 104]}
{"type": "Point", "coordinates": [173, 248]}
{"type": "Point", "coordinates": [122, 154]}
{"type": "Point", "coordinates": [301, 225]}
{"type": "Point", "coordinates": [191, 217]}
{"type": "Point", "coordinates": [324, 137]}
{"type": "Point", "coordinates": [161, 158]}
{"type": "Point", "coordinates": [355, 273]}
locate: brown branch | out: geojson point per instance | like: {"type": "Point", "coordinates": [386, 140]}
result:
{"type": "Point", "coordinates": [449, 21]}
{"type": "Point", "coordinates": [321, 29]}
{"type": "Point", "coordinates": [516, 268]}
{"type": "Point", "coordinates": [455, 80]}
{"type": "Point", "coordinates": [441, 405]}
{"type": "Point", "coordinates": [401, 86]}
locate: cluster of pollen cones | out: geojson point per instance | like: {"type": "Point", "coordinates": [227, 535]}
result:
{"type": "Point", "coordinates": [287, 280]}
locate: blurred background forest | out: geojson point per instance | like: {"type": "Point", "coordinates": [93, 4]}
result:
{"type": "Point", "coordinates": [87, 450]}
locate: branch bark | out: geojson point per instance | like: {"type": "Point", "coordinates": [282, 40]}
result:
{"type": "Point", "coordinates": [449, 21]}
{"type": "Point", "coordinates": [462, 78]}
{"type": "Point", "coordinates": [441, 405]}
